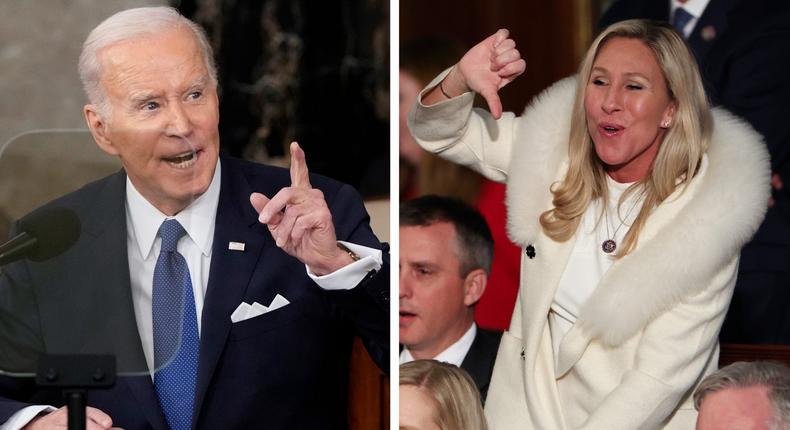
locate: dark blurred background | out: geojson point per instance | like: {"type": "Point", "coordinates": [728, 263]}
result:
{"type": "Point", "coordinates": [315, 72]}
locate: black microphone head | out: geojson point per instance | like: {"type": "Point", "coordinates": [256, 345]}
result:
{"type": "Point", "coordinates": [55, 230]}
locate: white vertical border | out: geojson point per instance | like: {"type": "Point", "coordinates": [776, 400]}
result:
{"type": "Point", "coordinates": [394, 14]}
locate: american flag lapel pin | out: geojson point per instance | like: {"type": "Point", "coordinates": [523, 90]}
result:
{"type": "Point", "coordinates": [236, 246]}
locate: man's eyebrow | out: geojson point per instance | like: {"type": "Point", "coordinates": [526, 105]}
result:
{"type": "Point", "coordinates": [199, 82]}
{"type": "Point", "coordinates": [142, 96]}
{"type": "Point", "coordinates": [423, 264]}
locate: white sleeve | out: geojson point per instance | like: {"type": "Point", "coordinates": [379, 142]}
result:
{"type": "Point", "coordinates": [23, 416]}
{"type": "Point", "coordinates": [349, 276]}
{"type": "Point", "coordinates": [453, 130]}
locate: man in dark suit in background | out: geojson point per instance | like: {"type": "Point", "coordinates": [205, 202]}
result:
{"type": "Point", "coordinates": [239, 310]}
{"type": "Point", "coordinates": [743, 51]}
{"type": "Point", "coordinates": [446, 250]}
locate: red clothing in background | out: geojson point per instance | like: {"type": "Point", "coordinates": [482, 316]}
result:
{"type": "Point", "coordinates": [495, 308]}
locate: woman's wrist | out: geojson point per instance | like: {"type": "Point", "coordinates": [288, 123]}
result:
{"type": "Point", "coordinates": [453, 85]}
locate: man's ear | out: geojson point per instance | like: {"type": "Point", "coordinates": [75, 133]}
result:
{"type": "Point", "coordinates": [97, 124]}
{"type": "Point", "coordinates": [474, 286]}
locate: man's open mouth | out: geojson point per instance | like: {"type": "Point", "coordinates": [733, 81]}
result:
{"type": "Point", "coordinates": [183, 160]}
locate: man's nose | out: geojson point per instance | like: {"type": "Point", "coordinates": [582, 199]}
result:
{"type": "Point", "coordinates": [404, 287]}
{"type": "Point", "coordinates": [179, 124]}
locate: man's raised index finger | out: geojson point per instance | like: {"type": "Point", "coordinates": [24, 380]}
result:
{"type": "Point", "coordinates": [300, 176]}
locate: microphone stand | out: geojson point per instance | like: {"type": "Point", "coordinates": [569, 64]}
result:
{"type": "Point", "coordinates": [75, 374]}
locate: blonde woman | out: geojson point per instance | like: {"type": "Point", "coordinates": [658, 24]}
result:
{"type": "Point", "coordinates": [438, 396]}
{"type": "Point", "coordinates": [631, 200]}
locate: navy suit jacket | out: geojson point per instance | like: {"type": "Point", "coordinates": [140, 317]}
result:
{"type": "Point", "coordinates": [479, 360]}
{"type": "Point", "coordinates": [743, 51]}
{"type": "Point", "coordinates": [283, 370]}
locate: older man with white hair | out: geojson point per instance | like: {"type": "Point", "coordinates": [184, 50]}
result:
{"type": "Point", "coordinates": [745, 396]}
{"type": "Point", "coordinates": [237, 288]}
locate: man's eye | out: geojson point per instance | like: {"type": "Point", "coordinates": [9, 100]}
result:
{"type": "Point", "coordinates": [194, 95]}
{"type": "Point", "coordinates": [151, 106]}
{"type": "Point", "coordinates": [424, 272]}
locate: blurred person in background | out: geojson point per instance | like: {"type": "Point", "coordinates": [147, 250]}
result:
{"type": "Point", "coordinates": [422, 172]}
{"type": "Point", "coordinates": [5, 226]}
{"type": "Point", "coordinates": [438, 396]}
{"type": "Point", "coordinates": [745, 395]}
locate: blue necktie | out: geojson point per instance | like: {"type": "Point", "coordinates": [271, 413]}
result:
{"type": "Point", "coordinates": [176, 342]}
{"type": "Point", "coordinates": [681, 18]}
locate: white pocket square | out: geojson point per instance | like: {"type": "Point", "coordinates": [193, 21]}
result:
{"type": "Point", "coordinates": [246, 311]}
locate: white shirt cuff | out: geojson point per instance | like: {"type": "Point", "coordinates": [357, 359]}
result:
{"type": "Point", "coordinates": [349, 276]}
{"type": "Point", "coordinates": [23, 416]}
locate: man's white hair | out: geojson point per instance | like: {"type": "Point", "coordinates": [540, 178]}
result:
{"type": "Point", "coordinates": [741, 374]}
{"type": "Point", "coordinates": [126, 25]}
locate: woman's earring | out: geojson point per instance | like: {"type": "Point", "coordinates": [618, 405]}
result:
{"type": "Point", "coordinates": [665, 124]}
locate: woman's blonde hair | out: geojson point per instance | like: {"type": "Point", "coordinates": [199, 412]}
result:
{"type": "Point", "coordinates": [679, 155]}
{"type": "Point", "coordinates": [457, 399]}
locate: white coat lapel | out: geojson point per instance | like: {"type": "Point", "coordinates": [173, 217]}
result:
{"type": "Point", "coordinates": [571, 350]}
{"type": "Point", "coordinates": [543, 272]}
{"type": "Point", "coordinates": [543, 265]}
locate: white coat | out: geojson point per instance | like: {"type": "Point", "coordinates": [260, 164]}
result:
{"type": "Point", "coordinates": [648, 333]}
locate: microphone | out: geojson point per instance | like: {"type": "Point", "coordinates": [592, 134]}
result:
{"type": "Point", "coordinates": [45, 233]}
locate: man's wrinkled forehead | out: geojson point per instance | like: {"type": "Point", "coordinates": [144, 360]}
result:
{"type": "Point", "coordinates": [129, 63]}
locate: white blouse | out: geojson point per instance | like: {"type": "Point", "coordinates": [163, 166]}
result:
{"type": "Point", "coordinates": [588, 262]}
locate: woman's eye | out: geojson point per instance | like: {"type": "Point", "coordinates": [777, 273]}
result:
{"type": "Point", "coordinates": [195, 95]}
{"type": "Point", "coordinates": [634, 87]}
{"type": "Point", "coordinates": [598, 82]}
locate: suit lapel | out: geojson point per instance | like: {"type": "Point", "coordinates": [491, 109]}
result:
{"type": "Point", "coordinates": [142, 388]}
{"type": "Point", "coordinates": [475, 361]}
{"type": "Point", "coordinates": [479, 360]}
{"type": "Point", "coordinates": [105, 236]}
{"type": "Point", "coordinates": [230, 271]}
{"type": "Point", "coordinates": [109, 233]}
{"type": "Point", "coordinates": [95, 313]}
{"type": "Point", "coordinates": [105, 228]}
